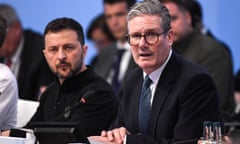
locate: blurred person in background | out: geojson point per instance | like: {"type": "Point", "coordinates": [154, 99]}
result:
{"type": "Point", "coordinates": [232, 119]}
{"type": "Point", "coordinates": [115, 61]}
{"type": "Point", "coordinates": [99, 33]}
{"type": "Point", "coordinates": [22, 52]}
{"type": "Point", "coordinates": [197, 22]}
{"type": "Point", "coordinates": [234, 116]}
{"type": "Point", "coordinates": [237, 93]}
{"type": "Point", "coordinates": [202, 50]}
{"type": "Point", "coordinates": [8, 89]}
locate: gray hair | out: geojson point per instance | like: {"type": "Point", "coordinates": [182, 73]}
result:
{"type": "Point", "coordinates": [8, 13]}
{"type": "Point", "coordinates": [151, 7]}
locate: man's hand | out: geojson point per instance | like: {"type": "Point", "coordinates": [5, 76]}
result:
{"type": "Point", "coordinates": [115, 136]}
{"type": "Point", "coordinates": [5, 133]}
{"type": "Point", "coordinates": [99, 139]}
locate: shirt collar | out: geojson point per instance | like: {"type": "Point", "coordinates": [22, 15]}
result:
{"type": "Point", "coordinates": [124, 45]}
{"type": "Point", "coordinates": [155, 75]}
{"type": "Point", "coordinates": [17, 54]}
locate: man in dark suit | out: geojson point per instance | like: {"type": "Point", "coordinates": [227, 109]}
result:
{"type": "Point", "coordinates": [115, 60]}
{"type": "Point", "coordinates": [181, 94]}
{"type": "Point", "coordinates": [99, 33]}
{"type": "Point", "coordinates": [195, 10]}
{"type": "Point", "coordinates": [22, 52]}
{"type": "Point", "coordinates": [202, 49]}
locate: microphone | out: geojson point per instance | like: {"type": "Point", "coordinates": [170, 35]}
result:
{"type": "Point", "coordinates": [68, 111]}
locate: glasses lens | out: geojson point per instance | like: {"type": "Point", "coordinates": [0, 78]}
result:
{"type": "Point", "coordinates": [151, 38]}
{"type": "Point", "coordinates": [133, 39]}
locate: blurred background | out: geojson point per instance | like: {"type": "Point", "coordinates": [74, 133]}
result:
{"type": "Point", "coordinates": [220, 16]}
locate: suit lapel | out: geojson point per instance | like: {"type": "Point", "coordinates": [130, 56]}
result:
{"type": "Point", "coordinates": [135, 100]}
{"type": "Point", "coordinates": [108, 61]}
{"type": "Point", "coordinates": [131, 64]}
{"type": "Point", "coordinates": [164, 87]}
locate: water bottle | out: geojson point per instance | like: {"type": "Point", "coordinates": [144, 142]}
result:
{"type": "Point", "coordinates": [207, 130]}
{"type": "Point", "coordinates": [217, 132]}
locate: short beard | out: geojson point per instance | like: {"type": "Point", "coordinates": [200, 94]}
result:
{"type": "Point", "coordinates": [72, 72]}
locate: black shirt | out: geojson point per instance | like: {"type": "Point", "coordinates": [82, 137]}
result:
{"type": "Point", "coordinates": [93, 116]}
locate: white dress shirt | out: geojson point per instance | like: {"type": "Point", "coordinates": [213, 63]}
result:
{"type": "Point", "coordinates": [8, 98]}
{"type": "Point", "coordinates": [155, 76]}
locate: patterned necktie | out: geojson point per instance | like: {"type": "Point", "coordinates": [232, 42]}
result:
{"type": "Point", "coordinates": [116, 68]}
{"type": "Point", "coordinates": [145, 106]}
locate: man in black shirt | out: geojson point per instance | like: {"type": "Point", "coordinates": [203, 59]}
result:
{"type": "Point", "coordinates": [78, 94]}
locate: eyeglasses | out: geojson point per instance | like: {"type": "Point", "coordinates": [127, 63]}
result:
{"type": "Point", "coordinates": [150, 38]}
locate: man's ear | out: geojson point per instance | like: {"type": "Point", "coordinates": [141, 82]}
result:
{"type": "Point", "coordinates": [84, 49]}
{"type": "Point", "coordinates": [44, 52]}
{"type": "Point", "coordinates": [188, 17]}
{"type": "Point", "coordinates": [170, 37]}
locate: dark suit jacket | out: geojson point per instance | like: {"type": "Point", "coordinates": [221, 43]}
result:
{"type": "Point", "coordinates": [106, 59]}
{"type": "Point", "coordinates": [34, 71]}
{"type": "Point", "coordinates": [210, 34]}
{"type": "Point", "coordinates": [208, 53]}
{"type": "Point", "coordinates": [185, 97]}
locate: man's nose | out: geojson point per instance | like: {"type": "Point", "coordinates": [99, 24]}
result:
{"type": "Point", "coordinates": [142, 41]}
{"type": "Point", "coordinates": [61, 54]}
